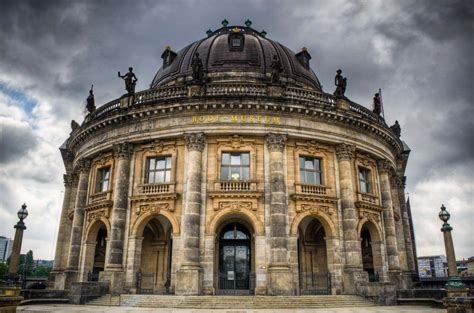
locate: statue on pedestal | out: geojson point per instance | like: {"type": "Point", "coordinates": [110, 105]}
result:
{"type": "Point", "coordinates": [90, 106]}
{"type": "Point", "coordinates": [396, 129]}
{"type": "Point", "coordinates": [341, 84]}
{"type": "Point", "coordinates": [130, 81]}
{"type": "Point", "coordinates": [198, 68]}
{"type": "Point", "coordinates": [377, 104]}
{"type": "Point", "coordinates": [276, 69]}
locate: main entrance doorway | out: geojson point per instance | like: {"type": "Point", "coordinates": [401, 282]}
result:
{"type": "Point", "coordinates": [234, 276]}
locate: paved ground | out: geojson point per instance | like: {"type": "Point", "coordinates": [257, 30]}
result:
{"type": "Point", "coordinates": [102, 309]}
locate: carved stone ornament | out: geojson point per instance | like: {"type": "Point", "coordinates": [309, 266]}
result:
{"type": "Point", "coordinates": [195, 142]}
{"type": "Point", "coordinates": [400, 180]}
{"type": "Point", "coordinates": [276, 142]}
{"type": "Point", "coordinates": [83, 165]}
{"type": "Point", "coordinates": [235, 206]}
{"type": "Point", "coordinates": [315, 209]}
{"type": "Point", "coordinates": [371, 216]}
{"type": "Point", "coordinates": [384, 166]}
{"type": "Point", "coordinates": [151, 208]}
{"type": "Point", "coordinates": [123, 150]}
{"type": "Point", "coordinates": [345, 152]}
{"type": "Point", "coordinates": [68, 179]}
{"type": "Point", "coordinates": [157, 146]}
{"type": "Point", "coordinates": [96, 215]}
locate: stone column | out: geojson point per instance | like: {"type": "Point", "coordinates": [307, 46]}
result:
{"type": "Point", "coordinates": [378, 252]}
{"type": "Point", "coordinates": [384, 167]}
{"type": "Point", "coordinates": [402, 257]}
{"type": "Point", "coordinates": [208, 264]}
{"type": "Point", "coordinates": [280, 276]}
{"type": "Point", "coordinates": [353, 256]}
{"type": "Point", "coordinates": [83, 166]}
{"type": "Point", "coordinates": [134, 255]}
{"type": "Point", "coordinates": [16, 249]}
{"type": "Point", "coordinates": [113, 271]}
{"type": "Point", "coordinates": [333, 251]}
{"type": "Point", "coordinates": [189, 280]}
{"type": "Point", "coordinates": [406, 224]}
{"type": "Point", "coordinates": [64, 226]}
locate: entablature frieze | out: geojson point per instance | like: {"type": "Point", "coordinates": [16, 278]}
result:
{"type": "Point", "coordinates": [141, 209]}
{"type": "Point", "coordinates": [235, 200]}
{"type": "Point", "coordinates": [297, 197]}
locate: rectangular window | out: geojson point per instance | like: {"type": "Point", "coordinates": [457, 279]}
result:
{"type": "Point", "coordinates": [158, 170]}
{"type": "Point", "coordinates": [364, 180]}
{"type": "Point", "coordinates": [235, 166]}
{"type": "Point", "coordinates": [310, 171]}
{"type": "Point", "coordinates": [103, 179]}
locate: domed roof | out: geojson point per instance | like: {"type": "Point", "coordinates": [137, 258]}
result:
{"type": "Point", "coordinates": [237, 53]}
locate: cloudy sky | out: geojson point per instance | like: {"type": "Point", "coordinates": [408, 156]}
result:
{"type": "Point", "coordinates": [418, 52]}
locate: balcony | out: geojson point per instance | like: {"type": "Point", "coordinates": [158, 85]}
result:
{"type": "Point", "coordinates": [318, 190]}
{"type": "Point", "coordinates": [235, 185]}
{"type": "Point", "coordinates": [161, 188]}
{"type": "Point", "coordinates": [100, 196]}
{"type": "Point", "coordinates": [368, 198]}
{"type": "Point", "coordinates": [309, 192]}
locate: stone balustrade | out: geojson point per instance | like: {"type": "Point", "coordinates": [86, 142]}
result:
{"type": "Point", "coordinates": [156, 188]}
{"type": "Point", "coordinates": [368, 198]}
{"type": "Point", "coordinates": [235, 185]}
{"type": "Point", "coordinates": [319, 190]}
{"type": "Point", "coordinates": [100, 196]}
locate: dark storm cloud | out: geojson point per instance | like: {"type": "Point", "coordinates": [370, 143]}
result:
{"type": "Point", "coordinates": [16, 139]}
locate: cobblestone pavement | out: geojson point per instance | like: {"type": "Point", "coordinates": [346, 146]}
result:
{"type": "Point", "coordinates": [102, 309]}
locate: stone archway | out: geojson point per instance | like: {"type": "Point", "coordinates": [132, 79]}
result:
{"type": "Point", "coordinates": [372, 250]}
{"type": "Point", "coordinates": [150, 255]}
{"type": "Point", "coordinates": [313, 269]}
{"type": "Point", "coordinates": [94, 250]}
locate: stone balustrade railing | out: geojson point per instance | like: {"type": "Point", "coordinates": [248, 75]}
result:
{"type": "Point", "coordinates": [156, 188]}
{"type": "Point", "coordinates": [100, 196]}
{"type": "Point", "coordinates": [235, 185]}
{"type": "Point", "coordinates": [311, 97]}
{"type": "Point", "coordinates": [319, 190]}
{"type": "Point", "coordinates": [368, 198]}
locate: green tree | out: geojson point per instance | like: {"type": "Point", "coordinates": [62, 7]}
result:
{"type": "Point", "coordinates": [3, 269]}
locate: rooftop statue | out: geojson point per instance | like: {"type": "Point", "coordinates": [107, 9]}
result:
{"type": "Point", "coordinates": [377, 104]}
{"type": "Point", "coordinates": [396, 129]}
{"type": "Point", "coordinates": [90, 106]}
{"type": "Point", "coordinates": [276, 69]}
{"type": "Point", "coordinates": [198, 68]}
{"type": "Point", "coordinates": [341, 84]}
{"type": "Point", "coordinates": [74, 125]}
{"type": "Point", "coordinates": [130, 81]}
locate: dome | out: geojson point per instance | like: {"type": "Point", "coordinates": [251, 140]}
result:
{"type": "Point", "coordinates": [237, 53]}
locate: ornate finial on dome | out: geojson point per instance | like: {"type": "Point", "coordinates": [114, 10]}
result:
{"type": "Point", "coordinates": [236, 30]}
{"type": "Point", "coordinates": [248, 23]}
{"type": "Point", "coordinates": [304, 49]}
{"type": "Point", "coordinates": [225, 22]}
{"type": "Point", "coordinates": [263, 33]}
{"type": "Point", "coordinates": [167, 47]}
{"type": "Point", "coordinates": [209, 32]}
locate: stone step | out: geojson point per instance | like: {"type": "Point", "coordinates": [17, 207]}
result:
{"type": "Point", "coordinates": [222, 302]}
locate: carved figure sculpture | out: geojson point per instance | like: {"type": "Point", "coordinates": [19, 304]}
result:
{"type": "Point", "coordinates": [341, 84]}
{"type": "Point", "coordinates": [90, 106]}
{"type": "Point", "coordinates": [377, 104]}
{"type": "Point", "coordinates": [276, 69]}
{"type": "Point", "coordinates": [130, 81]}
{"type": "Point", "coordinates": [197, 67]}
{"type": "Point", "coordinates": [396, 129]}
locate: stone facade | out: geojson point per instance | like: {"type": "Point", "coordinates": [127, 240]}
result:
{"type": "Point", "coordinates": [151, 204]}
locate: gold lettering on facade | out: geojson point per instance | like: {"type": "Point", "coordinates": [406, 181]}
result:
{"type": "Point", "coordinates": [254, 119]}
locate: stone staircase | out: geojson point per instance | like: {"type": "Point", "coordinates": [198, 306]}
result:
{"type": "Point", "coordinates": [234, 302]}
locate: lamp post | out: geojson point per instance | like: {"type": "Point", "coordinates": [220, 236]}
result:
{"type": "Point", "coordinates": [454, 282]}
{"type": "Point", "coordinates": [15, 256]}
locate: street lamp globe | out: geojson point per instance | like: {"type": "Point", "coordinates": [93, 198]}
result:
{"type": "Point", "coordinates": [23, 212]}
{"type": "Point", "coordinates": [443, 214]}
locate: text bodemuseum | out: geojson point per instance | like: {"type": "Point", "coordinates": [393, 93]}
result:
{"type": "Point", "coordinates": [234, 173]}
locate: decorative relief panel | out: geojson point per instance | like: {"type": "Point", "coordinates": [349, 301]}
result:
{"type": "Point", "coordinates": [144, 208]}
{"type": "Point", "coordinates": [97, 214]}
{"type": "Point", "coordinates": [236, 206]}
{"type": "Point", "coordinates": [315, 208]}
{"type": "Point", "coordinates": [374, 217]}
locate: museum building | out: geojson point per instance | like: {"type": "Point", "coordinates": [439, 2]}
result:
{"type": "Point", "coordinates": [234, 173]}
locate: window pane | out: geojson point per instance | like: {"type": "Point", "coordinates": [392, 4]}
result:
{"type": "Point", "coordinates": [160, 177]}
{"type": "Point", "coordinates": [310, 178]}
{"type": "Point", "coordinates": [318, 178]}
{"type": "Point", "coordinates": [241, 235]}
{"type": "Point", "coordinates": [160, 164]}
{"type": "Point", "coordinates": [105, 185]}
{"type": "Point", "coordinates": [245, 158]}
{"type": "Point", "coordinates": [225, 173]}
{"type": "Point", "coordinates": [317, 164]}
{"type": "Point", "coordinates": [152, 163]}
{"type": "Point", "coordinates": [302, 176]}
{"type": "Point", "coordinates": [151, 177]}
{"type": "Point", "coordinates": [363, 187]}
{"type": "Point", "coordinates": [245, 173]}
{"type": "Point", "coordinates": [235, 159]}
{"type": "Point", "coordinates": [301, 162]}
{"type": "Point", "coordinates": [235, 173]}
{"type": "Point", "coordinates": [225, 158]}
{"type": "Point", "coordinates": [309, 165]}
{"type": "Point", "coordinates": [361, 174]}
{"type": "Point", "coordinates": [168, 162]}
{"type": "Point", "coordinates": [167, 176]}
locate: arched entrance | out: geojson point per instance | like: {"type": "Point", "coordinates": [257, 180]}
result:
{"type": "Point", "coordinates": [314, 277]}
{"type": "Point", "coordinates": [235, 257]}
{"type": "Point", "coordinates": [94, 250]}
{"type": "Point", "coordinates": [154, 275]}
{"type": "Point", "coordinates": [371, 249]}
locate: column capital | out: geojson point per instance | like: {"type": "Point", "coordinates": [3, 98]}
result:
{"type": "Point", "coordinates": [69, 179]}
{"type": "Point", "coordinates": [83, 165]}
{"type": "Point", "coordinates": [196, 141]}
{"type": "Point", "coordinates": [385, 167]}
{"type": "Point", "coordinates": [345, 152]}
{"type": "Point", "coordinates": [276, 142]}
{"type": "Point", "coordinates": [123, 150]}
